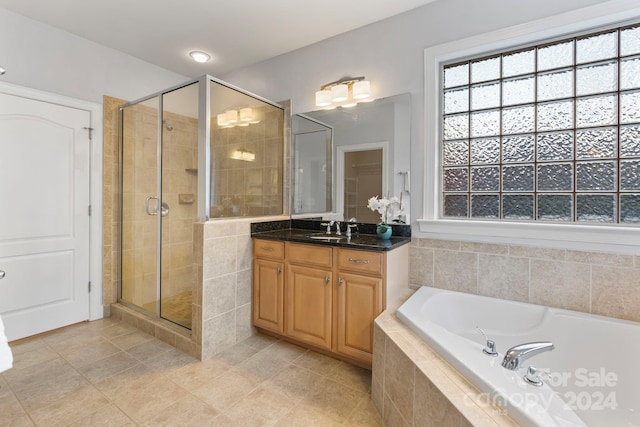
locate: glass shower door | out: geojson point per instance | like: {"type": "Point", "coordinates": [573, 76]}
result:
{"type": "Point", "coordinates": [159, 204]}
{"type": "Point", "coordinates": [140, 227]}
{"type": "Point", "coordinates": [180, 203]}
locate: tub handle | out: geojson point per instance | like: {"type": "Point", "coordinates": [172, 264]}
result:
{"type": "Point", "coordinates": [490, 348]}
{"type": "Point", "coordinates": [533, 376]}
{"type": "Point", "coordinates": [359, 261]}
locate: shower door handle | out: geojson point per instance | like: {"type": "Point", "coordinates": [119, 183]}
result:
{"type": "Point", "coordinates": [146, 205]}
{"type": "Point", "coordinates": [164, 210]}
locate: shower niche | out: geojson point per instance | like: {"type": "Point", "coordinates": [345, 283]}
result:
{"type": "Point", "coordinates": [199, 151]}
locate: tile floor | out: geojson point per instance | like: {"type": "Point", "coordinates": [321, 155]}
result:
{"type": "Point", "coordinates": [107, 373]}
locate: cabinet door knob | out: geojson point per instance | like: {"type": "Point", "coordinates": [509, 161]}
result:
{"type": "Point", "coordinates": [340, 281]}
{"type": "Point", "coordinates": [326, 280]}
{"type": "Point", "coordinates": [279, 270]}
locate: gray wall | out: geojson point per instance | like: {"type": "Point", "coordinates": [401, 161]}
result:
{"type": "Point", "coordinates": [390, 54]}
{"type": "Point", "coordinates": [41, 57]}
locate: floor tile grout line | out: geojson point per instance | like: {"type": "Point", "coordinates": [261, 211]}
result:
{"type": "Point", "coordinates": [284, 358]}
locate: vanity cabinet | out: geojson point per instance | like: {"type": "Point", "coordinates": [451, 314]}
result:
{"type": "Point", "coordinates": [328, 297]}
{"type": "Point", "coordinates": [309, 294]}
{"type": "Point", "coordinates": [359, 301]}
{"type": "Point", "coordinates": [268, 285]}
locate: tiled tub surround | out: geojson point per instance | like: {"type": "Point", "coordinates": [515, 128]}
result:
{"type": "Point", "coordinates": [606, 284]}
{"type": "Point", "coordinates": [412, 386]}
{"type": "Point", "coordinates": [585, 345]}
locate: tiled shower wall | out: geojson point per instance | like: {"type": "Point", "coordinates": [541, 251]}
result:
{"type": "Point", "coordinates": [248, 188]}
{"type": "Point", "coordinates": [110, 201]}
{"type": "Point", "coordinates": [592, 282]}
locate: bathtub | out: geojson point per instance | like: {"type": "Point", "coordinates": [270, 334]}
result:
{"type": "Point", "coordinates": [592, 377]}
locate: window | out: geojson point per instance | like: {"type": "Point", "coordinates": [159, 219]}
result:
{"type": "Point", "coordinates": [550, 132]}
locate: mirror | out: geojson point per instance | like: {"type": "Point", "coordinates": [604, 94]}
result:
{"type": "Point", "coordinates": [370, 147]}
{"type": "Point", "coordinates": [312, 165]}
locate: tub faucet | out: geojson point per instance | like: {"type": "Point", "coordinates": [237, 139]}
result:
{"type": "Point", "coordinates": [519, 353]}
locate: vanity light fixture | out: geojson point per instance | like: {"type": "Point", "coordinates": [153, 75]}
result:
{"type": "Point", "coordinates": [345, 93]}
{"type": "Point", "coordinates": [199, 56]}
{"type": "Point", "coordinates": [246, 114]}
{"type": "Point", "coordinates": [237, 117]}
{"type": "Point", "coordinates": [242, 154]}
{"type": "Point", "coordinates": [231, 116]}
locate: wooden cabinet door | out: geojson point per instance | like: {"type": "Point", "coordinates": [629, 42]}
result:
{"type": "Point", "coordinates": [268, 297]}
{"type": "Point", "coordinates": [309, 305]}
{"type": "Point", "coordinates": [359, 302]}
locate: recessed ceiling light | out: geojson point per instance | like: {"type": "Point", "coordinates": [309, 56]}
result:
{"type": "Point", "coordinates": [199, 56]}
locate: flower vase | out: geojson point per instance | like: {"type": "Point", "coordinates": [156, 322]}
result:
{"type": "Point", "coordinates": [383, 231]}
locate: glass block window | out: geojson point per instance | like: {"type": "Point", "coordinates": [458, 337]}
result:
{"type": "Point", "coordinates": [545, 133]}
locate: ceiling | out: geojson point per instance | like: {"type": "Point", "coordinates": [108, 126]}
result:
{"type": "Point", "coordinates": [237, 33]}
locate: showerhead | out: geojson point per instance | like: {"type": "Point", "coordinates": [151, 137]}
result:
{"type": "Point", "coordinates": [168, 125]}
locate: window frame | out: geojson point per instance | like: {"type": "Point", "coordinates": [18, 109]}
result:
{"type": "Point", "coordinates": [622, 238]}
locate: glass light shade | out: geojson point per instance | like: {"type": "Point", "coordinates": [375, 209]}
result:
{"type": "Point", "coordinates": [246, 114]}
{"type": "Point", "coordinates": [232, 116]}
{"type": "Point", "coordinates": [339, 93]}
{"type": "Point", "coordinates": [361, 89]}
{"type": "Point", "coordinates": [199, 56]}
{"type": "Point", "coordinates": [222, 119]}
{"type": "Point", "coordinates": [323, 98]}
{"type": "Point", "coordinates": [245, 155]}
{"type": "Point", "coordinates": [349, 104]}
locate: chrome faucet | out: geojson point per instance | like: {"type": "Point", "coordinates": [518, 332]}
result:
{"type": "Point", "coordinates": [519, 353]}
{"type": "Point", "coordinates": [328, 225]}
{"type": "Point", "coordinates": [352, 224]}
{"type": "Point", "coordinates": [338, 231]}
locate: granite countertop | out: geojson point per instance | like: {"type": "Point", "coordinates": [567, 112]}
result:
{"type": "Point", "coordinates": [369, 242]}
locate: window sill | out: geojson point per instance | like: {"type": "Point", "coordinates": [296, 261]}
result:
{"type": "Point", "coordinates": [601, 238]}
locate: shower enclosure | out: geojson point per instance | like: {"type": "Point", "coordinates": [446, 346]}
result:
{"type": "Point", "coordinates": [202, 150]}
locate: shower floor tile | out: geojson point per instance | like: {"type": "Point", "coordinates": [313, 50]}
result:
{"type": "Point", "coordinates": [128, 378]}
{"type": "Point", "coordinates": [177, 308]}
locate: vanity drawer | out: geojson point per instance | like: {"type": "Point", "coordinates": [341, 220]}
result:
{"type": "Point", "coordinates": [268, 249]}
{"type": "Point", "coordinates": [319, 256]}
{"type": "Point", "coordinates": [360, 261]}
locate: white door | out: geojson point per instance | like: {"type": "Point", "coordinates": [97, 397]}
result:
{"type": "Point", "coordinates": [44, 218]}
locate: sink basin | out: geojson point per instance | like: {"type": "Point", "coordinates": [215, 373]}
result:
{"type": "Point", "coordinates": [323, 236]}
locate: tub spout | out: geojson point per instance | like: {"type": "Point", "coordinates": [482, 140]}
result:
{"type": "Point", "coordinates": [519, 353]}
